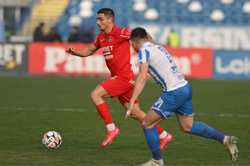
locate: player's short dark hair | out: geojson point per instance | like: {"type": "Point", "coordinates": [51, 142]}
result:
{"type": "Point", "coordinates": [139, 33]}
{"type": "Point", "coordinates": [106, 11]}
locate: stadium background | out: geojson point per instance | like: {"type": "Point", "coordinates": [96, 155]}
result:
{"type": "Point", "coordinates": [42, 88]}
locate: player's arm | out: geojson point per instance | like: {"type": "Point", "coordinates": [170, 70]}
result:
{"type": "Point", "coordinates": [139, 86]}
{"type": "Point", "coordinates": [84, 52]}
{"type": "Point", "coordinates": [140, 81]}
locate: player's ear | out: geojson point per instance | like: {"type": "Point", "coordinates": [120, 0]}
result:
{"type": "Point", "coordinates": [112, 19]}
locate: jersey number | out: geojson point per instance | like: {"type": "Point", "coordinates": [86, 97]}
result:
{"type": "Point", "coordinates": [174, 68]}
{"type": "Point", "coordinates": [158, 103]}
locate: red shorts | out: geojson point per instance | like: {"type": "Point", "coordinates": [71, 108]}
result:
{"type": "Point", "coordinates": [119, 87]}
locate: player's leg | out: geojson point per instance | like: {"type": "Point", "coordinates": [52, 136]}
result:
{"type": "Point", "coordinates": [97, 96]}
{"type": "Point", "coordinates": [185, 119]}
{"type": "Point", "coordinates": [199, 128]}
{"type": "Point", "coordinates": [161, 109]}
{"type": "Point", "coordinates": [138, 114]}
{"type": "Point", "coordinates": [152, 139]}
{"type": "Point", "coordinates": [185, 116]}
{"type": "Point", "coordinates": [204, 130]}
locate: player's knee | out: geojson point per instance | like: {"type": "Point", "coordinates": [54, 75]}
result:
{"type": "Point", "coordinates": [94, 95]}
{"type": "Point", "coordinates": [145, 124]}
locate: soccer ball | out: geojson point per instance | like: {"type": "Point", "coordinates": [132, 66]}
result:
{"type": "Point", "coordinates": [52, 139]}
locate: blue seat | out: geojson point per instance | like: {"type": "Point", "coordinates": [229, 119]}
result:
{"type": "Point", "coordinates": [170, 12]}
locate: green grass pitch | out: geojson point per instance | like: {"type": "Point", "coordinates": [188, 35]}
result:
{"type": "Point", "coordinates": [29, 106]}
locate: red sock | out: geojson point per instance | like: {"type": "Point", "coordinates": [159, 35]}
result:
{"type": "Point", "coordinates": [103, 111]}
{"type": "Point", "coordinates": [159, 129]}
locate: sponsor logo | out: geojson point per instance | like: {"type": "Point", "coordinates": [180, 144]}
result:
{"type": "Point", "coordinates": [219, 37]}
{"type": "Point", "coordinates": [11, 56]}
{"type": "Point", "coordinates": [57, 60]}
{"type": "Point", "coordinates": [52, 59]}
{"type": "Point", "coordinates": [234, 66]}
{"type": "Point", "coordinates": [107, 52]}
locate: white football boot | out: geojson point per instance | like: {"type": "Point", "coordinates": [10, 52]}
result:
{"type": "Point", "coordinates": [231, 144]}
{"type": "Point", "coordinates": [154, 162]}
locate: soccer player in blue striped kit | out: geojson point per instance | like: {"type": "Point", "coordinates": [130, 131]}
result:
{"type": "Point", "coordinates": [176, 98]}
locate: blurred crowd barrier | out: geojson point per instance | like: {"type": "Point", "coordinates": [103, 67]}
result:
{"type": "Point", "coordinates": [216, 37]}
{"type": "Point", "coordinates": [51, 59]}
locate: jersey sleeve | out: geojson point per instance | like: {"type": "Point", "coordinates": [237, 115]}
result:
{"type": "Point", "coordinates": [125, 33]}
{"type": "Point", "coordinates": [143, 56]}
{"type": "Point", "coordinates": [97, 41]}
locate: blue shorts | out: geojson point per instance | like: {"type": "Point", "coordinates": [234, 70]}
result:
{"type": "Point", "coordinates": [178, 101]}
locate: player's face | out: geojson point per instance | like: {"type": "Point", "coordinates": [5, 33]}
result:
{"type": "Point", "coordinates": [103, 21]}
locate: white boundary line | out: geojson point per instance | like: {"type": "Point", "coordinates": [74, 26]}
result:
{"type": "Point", "coordinates": [228, 115]}
{"type": "Point", "coordinates": [43, 109]}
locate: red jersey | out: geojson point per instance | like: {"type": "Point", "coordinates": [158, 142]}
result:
{"type": "Point", "coordinates": [116, 51]}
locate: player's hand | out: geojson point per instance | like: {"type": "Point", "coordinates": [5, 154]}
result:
{"type": "Point", "coordinates": [71, 51]}
{"type": "Point", "coordinates": [128, 113]}
{"type": "Point", "coordinates": [129, 110]}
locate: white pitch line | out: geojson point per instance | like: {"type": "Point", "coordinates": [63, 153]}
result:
{"type": "Point", "coordinates": [240, 115]}
{"type": "Point", "coordinates": [44, 109]}
{"type": "Point", "coordinates": [228, 115]}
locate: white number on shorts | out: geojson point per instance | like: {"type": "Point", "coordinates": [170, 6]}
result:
{"type": "Point", "coordinates": [158, 103]}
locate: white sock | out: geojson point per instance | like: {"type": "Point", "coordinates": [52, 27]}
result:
{"type": "Point", "coordinates": [163, 134]}
{"type": "Point", "coordinates": [225, 139]}
{"type": "Point", "coordinates": [110, 126]}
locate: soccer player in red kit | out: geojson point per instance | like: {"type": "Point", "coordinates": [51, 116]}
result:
{"type": "Point", "coordinates": [116, 51]}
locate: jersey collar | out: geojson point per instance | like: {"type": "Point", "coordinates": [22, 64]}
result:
{"type": "Point", "coordinates": [113, 30]}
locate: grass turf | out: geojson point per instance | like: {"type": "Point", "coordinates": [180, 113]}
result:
{"type": "Point", "coordinates": [29, 106]}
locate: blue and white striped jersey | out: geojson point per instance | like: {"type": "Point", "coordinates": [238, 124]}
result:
{"type": "Point", "coordinates": [161, 66]}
